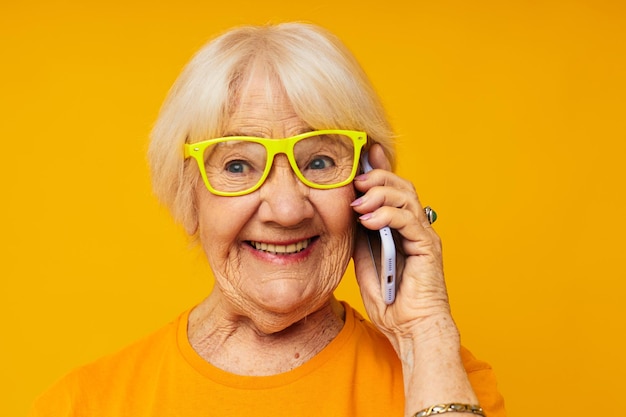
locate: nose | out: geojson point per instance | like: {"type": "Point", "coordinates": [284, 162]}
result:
{"type": "Point", "coordinates": [284, 198]}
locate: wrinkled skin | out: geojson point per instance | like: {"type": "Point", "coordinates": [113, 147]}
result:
{"type": "Point", "coordinates": [269, 313]}
{"type": "Point", "coordinates": [259, 296]}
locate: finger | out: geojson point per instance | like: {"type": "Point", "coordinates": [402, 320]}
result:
{"type": "Point", "coordinates": [383, 178]}
{"type": "Point", "coordinates": [418, 235]}
{"type": "Point", "coordinates": [379, 196]}
{"type": "Point", "coordinates": [366, 273]}
{"type": "Point", "coordinates": [381, 188]}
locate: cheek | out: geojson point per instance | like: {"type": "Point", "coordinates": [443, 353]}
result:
{"type": "Point", "coordinates": [336, 255]}
{"type": "Point", "coordinates": [340, 221]}
{"type": "Point", "coordinates": [220, 220]}
{"type": "Point", "coordinates": [337, 212]}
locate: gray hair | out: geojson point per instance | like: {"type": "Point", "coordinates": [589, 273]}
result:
{"type": "Point", "coordinates": [323, 81]}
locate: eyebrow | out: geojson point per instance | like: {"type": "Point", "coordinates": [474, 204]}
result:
{"type": "Point", "coordinates": [242, 133]}
{"type": "Point", "coordinates": [258, 134]}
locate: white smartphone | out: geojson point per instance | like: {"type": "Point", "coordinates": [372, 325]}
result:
{"type": "Point", "coordinates": [381, 241]}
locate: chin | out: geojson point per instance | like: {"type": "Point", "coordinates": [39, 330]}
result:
{"type": "Point", "coordinates": [287, 304]}
{"type": "Point", "coordinates": [281, 310]}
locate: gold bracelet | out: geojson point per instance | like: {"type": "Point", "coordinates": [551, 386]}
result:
{"type": "Point", "coordinates": [454, 407]}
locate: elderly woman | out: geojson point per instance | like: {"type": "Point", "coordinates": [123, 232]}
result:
{"type": "Point", "coordinates": [256, 152]}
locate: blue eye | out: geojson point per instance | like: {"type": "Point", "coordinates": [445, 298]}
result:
{"type": "Point", "coordinates": [237, 167]}
{"type": "Point", "coordinates": [321, 162]}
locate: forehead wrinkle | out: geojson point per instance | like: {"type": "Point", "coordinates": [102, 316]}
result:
{"type": "Point", "coordinates": [260, 107]}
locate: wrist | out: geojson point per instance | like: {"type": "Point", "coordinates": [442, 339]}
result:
{"type": "Point", "coordinates": [423, 334]}
{"type": "Point", "coordinates": [452, 407]}
{"type": "Point", "coordinates": [432, 367]}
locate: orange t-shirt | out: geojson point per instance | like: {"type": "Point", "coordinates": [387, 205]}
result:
{"type": "Point", "coordinates": [357, 374]}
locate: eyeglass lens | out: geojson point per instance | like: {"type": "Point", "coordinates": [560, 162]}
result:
{"type": "Point", "coordinates": [237, 165]}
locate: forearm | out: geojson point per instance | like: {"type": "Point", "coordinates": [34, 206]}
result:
{"type": "Point", "coordinates": [432, 368]}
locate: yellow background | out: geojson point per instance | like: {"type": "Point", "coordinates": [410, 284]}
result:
{"type": "Point", "coordinates": [512, 124]}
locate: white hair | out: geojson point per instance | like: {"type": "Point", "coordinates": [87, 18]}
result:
{"type": "Point", "coordinates": [323, 81]}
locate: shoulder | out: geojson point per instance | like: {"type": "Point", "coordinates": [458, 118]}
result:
{"type": "Point", "coordinates": [107, 376]}
{"type": "Point", "coordinates": [483, 380]}
{"type": "Point", "coordinates": [133, 357]}
{"type": "Point", "coordinates": [367, 334]}
{"type": "Point", "coordinates": [376, 353]}
{"type": "Point", "coordinates": [370, 349]}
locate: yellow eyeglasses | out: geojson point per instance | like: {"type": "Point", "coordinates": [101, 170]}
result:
{"type": "Point", "coordinates": [238, 165]}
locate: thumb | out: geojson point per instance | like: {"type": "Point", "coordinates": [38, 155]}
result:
{"type": "Point", "coordinates": [365, 271]}
{"type": "Point", "coordinates": [378, 159]}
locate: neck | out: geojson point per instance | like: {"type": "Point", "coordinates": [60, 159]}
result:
{"type": "Point", "coordinates": [245, 345]}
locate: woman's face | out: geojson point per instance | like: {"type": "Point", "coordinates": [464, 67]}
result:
{"type": "Point", "coordinates": [281, 250]}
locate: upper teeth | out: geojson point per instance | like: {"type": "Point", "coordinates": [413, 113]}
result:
{"type": "Point", "coordinates": [291, 248]}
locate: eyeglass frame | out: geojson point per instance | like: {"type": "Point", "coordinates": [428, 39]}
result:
{"type": "Point", "coordinates": [274, 147]}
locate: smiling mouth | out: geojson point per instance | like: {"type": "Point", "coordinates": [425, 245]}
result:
{"type": "Point", "coordinates": [281, 249]}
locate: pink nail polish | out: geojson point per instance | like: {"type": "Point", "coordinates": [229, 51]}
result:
{"type": "Point", "coordinates": [357, 202]}
{"type": "Point", "coordinates": [366, 216]}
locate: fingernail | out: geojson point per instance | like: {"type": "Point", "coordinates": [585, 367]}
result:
{"type": "Point", "coordinates": [361, 177]}
{"type": "Point", "coordinates": [366, 216]}
{"type": "Point", "coordinates": [357, 202]}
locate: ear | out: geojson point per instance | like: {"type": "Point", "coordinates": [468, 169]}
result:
{"type": "Point", "coordinates": [191, 224]}
{"type": "Point", "coordinates": [190, 217]}
{"type": "Point", "coordinates": [190, 221]}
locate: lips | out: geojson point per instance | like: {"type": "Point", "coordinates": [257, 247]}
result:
{"type": "Point", "coordinates": [281, 249]}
